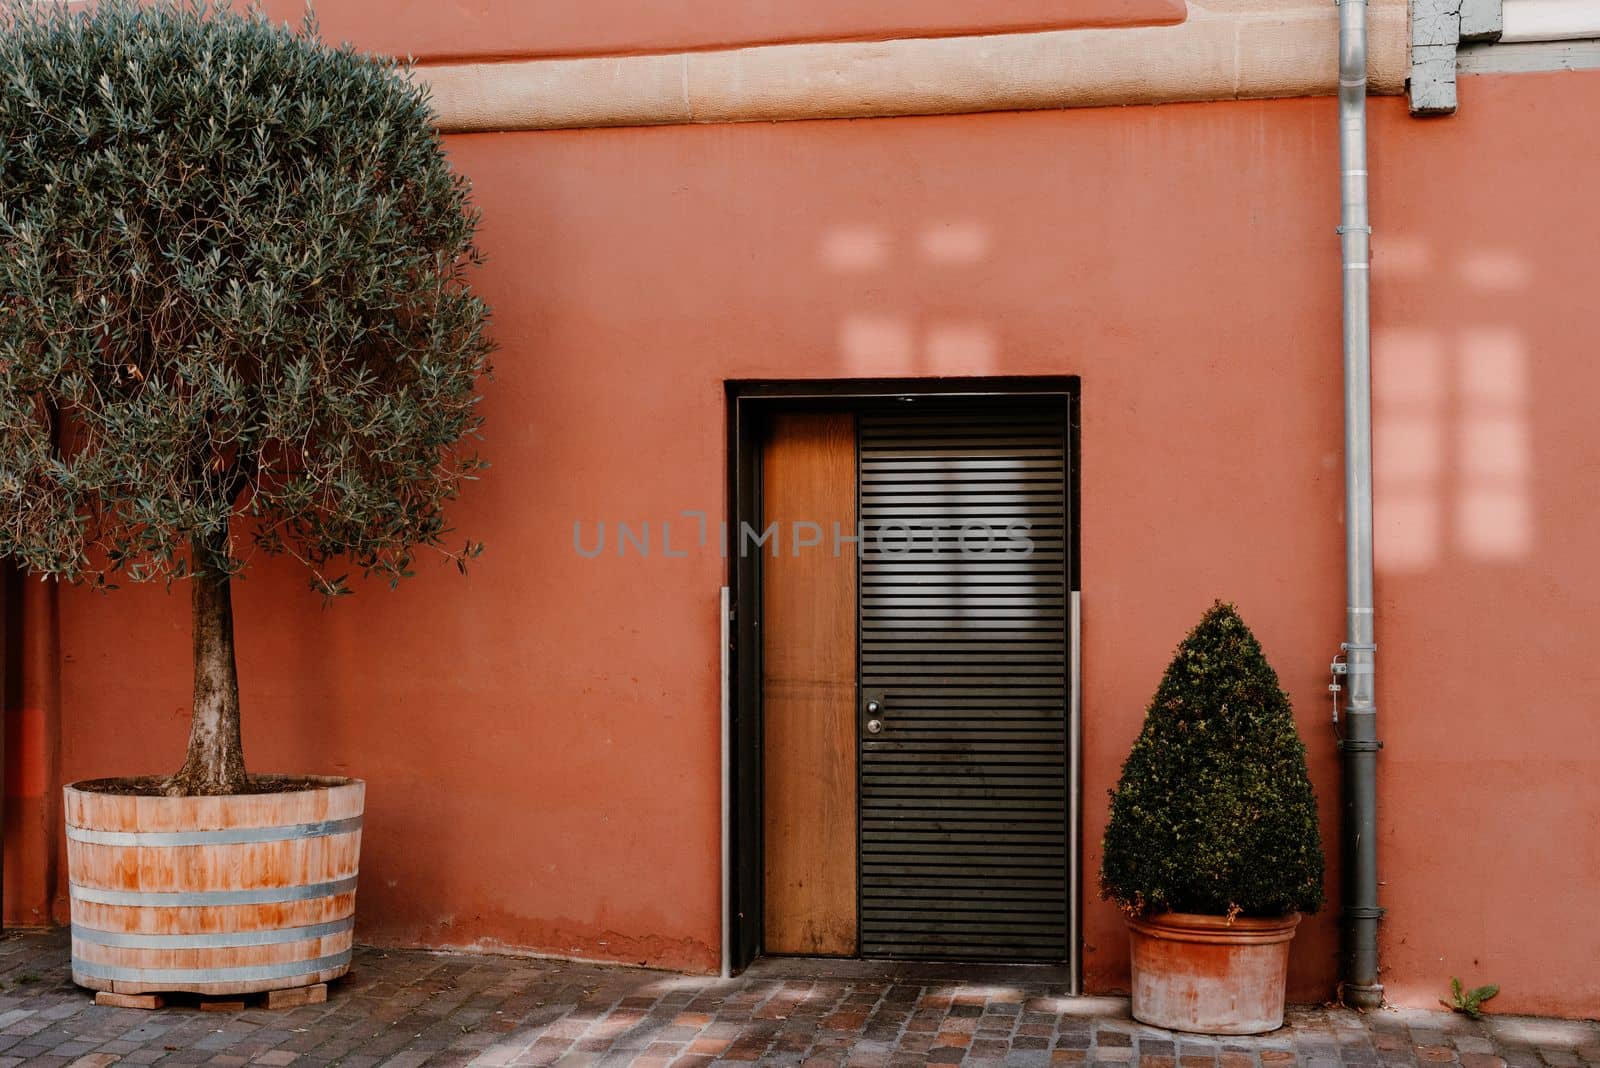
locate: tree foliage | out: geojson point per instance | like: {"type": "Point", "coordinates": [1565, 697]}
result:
{"type": "Point", "coordinates": [1215, 812]}
{"type": "Point", "coordinates": [232, 280]}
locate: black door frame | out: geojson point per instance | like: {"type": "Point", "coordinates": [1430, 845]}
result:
{"type": "Point", "coordinates": [749, 404]}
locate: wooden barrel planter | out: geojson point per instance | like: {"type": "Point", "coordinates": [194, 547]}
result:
{"type": "Point", "coordinates": [213, 895]}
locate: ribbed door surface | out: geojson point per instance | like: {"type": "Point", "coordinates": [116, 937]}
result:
{"type": "Point", "coordinates": [963, 652]}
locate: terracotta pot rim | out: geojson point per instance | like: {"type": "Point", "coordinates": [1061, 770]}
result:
{"type": "Point", "coordinates": [1203, 927]}
{"type": "Point", "coordinates": [318, 783]}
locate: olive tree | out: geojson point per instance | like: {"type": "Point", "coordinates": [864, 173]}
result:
{"type": "Point", "coordinates": [234, 316]}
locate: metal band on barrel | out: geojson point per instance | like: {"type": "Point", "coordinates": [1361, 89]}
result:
{"type": "Point", "coordinates": [185, 898]}
{"type": "Point", "coordinates": [210, 975]}
{"type": "Point", "coordinates": [227, 836]}
{"type": "Point", "coordinates": [213, 940]}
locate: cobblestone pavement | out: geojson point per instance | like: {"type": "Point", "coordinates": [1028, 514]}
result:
{"type": "Point", "coordinates": [409, 1009]}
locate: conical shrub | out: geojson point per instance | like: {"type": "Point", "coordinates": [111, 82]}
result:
{"type": "Point", "coordinates": [1214, 812]}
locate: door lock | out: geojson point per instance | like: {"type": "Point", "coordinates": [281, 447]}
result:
{"type": "Point", "coordinates": [874, 724]}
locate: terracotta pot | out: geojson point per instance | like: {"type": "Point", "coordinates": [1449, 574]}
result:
{"type": "Point", "coordinates": [1210, 975]}
{"type": "Point", "coordinates": [216, 895]}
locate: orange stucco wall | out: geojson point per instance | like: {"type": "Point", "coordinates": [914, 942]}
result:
{"type": "Point", "coordinates": [1487, 461]}
{"type": "Point", "coordinates": [455, 29]}
{"type": "Point", "coordinates": [540, 738]}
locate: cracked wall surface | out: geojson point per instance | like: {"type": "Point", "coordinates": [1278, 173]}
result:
{"type": "Point", "coordinates": [1437, 28]}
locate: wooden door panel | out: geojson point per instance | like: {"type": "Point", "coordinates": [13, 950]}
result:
{"type": "Point", "coordinates": [808, 689]}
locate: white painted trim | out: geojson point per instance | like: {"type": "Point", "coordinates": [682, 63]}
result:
{"type": "Point", "coordinates": [725, 612]}
{"type": "Point", "coordinates": [1075, 794]}
{"type": "Point", "coordinates": [1229, 49]}
{"type": "Point", "coordinates": [1528, 57]}
{"type": "Point", "coordinates": [1550, 20]}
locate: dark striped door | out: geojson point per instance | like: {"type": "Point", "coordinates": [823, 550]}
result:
{"type": "Point", "coordinates": [963, 688]}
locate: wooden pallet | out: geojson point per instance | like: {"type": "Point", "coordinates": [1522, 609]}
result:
{"type": "Point", "coordinates": [292, 998]}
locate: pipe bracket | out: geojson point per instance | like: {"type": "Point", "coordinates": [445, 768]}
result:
{"type": "Point", "coordinates": [1363, 912]}
{"type": "Point", "coordinates": [1359, 745]}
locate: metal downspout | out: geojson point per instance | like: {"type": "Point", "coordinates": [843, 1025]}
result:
{"type": "Point", "coordinates": [1359, 987]}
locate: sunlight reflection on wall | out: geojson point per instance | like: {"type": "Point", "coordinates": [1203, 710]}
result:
{"type": "Point", "coordinates": [1493, 518]}
{"type": "Point", "coordinates": [1452, 443]}
{"type": "Point", "coordinates": [1407, 447]}
{"type": "Point", "coordinates": [884, 343]}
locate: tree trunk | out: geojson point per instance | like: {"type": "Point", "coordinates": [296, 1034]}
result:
{"type": "Point", "coordinates": [215, 762]}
